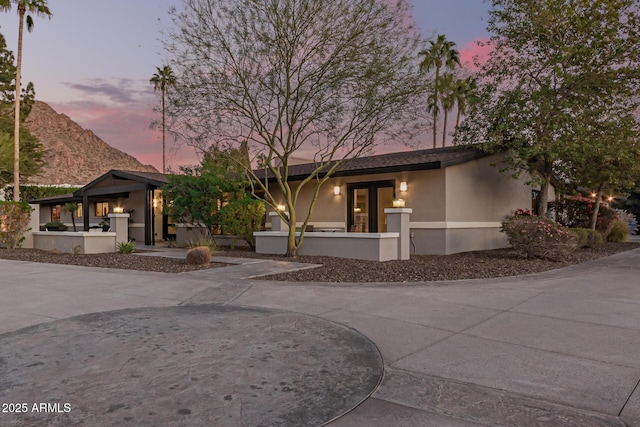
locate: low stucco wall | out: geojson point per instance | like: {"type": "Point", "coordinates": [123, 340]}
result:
{"type": "Point", "coordinates": [451, 240]}
{"type": "Point", "coordinates": [365, 246]}
{"type": "Point", "coordinates": [75, 242]}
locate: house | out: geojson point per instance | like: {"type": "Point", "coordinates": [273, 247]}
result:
{"type": "Point", "coordinates": [457, 196]}
{"type": "Point", "coordinates": [137, 193]}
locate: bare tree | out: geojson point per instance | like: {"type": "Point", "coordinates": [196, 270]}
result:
{"type": "Point", "coordinates": [328, 78]}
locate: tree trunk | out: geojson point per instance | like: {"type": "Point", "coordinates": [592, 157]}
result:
{"type": "Point", "coordinates": [164, 167]}
{"type": "Point", "coordinates": [435, 107]}
{"type": "Point", "coordinates": [543, 199]}
{"type": "Point", "coordinates": [73, 221]}
{"type": "Point", "coordinates": [455, 131]}
{"type": "Point", "coordinates": [444, 131]}
{"type": "Point", "coordinates": [16, 131]}
{"type": "Point", "coordinates": [596, 208]}
{"type": "Point", "coordinates": [292, 245]}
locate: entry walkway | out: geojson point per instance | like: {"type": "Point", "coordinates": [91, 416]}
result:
{"type": "Point", "coordinates": [555, 348]}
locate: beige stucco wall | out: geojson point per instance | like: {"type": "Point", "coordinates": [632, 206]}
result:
{"type": "Point", "coordinates": [476, 191]}
{"type": "Point", "coordinates": [425, 192]}
{"type": "Point", "coordinates": [80, 242]}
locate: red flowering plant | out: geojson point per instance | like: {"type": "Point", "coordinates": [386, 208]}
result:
{"type": "Point", "coordinates": [523, 212]}
{"type": "Point", "coordinates": [538, 237]}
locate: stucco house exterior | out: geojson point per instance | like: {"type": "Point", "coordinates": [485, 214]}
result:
{"type": "Point", "coordinates": [457, 197]}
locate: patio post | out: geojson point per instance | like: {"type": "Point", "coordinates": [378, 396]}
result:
{"type": "Point", "coordinates": [120, 225]}
{"type": "Point", "coordinates": [276, 222]}
{"type": "Point", "coordinates": [398, 222]}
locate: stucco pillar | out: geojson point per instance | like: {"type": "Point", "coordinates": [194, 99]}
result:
{"type": "Point", "coordinates": [34, 225]}
{"type": "Point", "coordinates": [398, 222]}
{"type": "Point", "coordinates": [276, 222]}
{"type": "Point", "coordinates": [119, 223]}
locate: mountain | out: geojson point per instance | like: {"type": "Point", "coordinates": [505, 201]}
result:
{"type": "Point", "coordinates": [74, 155]}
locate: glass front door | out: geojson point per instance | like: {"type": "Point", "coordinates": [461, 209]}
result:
{"type": "Point", "coordinates": [366, 203]}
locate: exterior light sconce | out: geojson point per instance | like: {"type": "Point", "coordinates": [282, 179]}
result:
{"type": "Point", "coordinates": [610, 199]}
{"type": "Point", "coordinates": [336, 190]}
{"type": "Point", "coordinates": [594, 195]}
{"type": "Point", "coordinates": [155, 203]}
{"type": "Point", "coordinates": [118, 210]}
{"type": "Point", "coordinates": [282, 208]}
{"type": "Point", "coordinates": [398, 203]}
{"type": "Point", "coordinates": [403, 186]}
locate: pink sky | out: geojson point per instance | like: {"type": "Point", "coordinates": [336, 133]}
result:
{"type": "Point", "coordinates": [92, 61]}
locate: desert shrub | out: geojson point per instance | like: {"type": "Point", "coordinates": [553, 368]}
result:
{"type": "Point", "coordinates": [536, 237]}
{"type": "Point", "coordinates": [575, 212]}
{"type": "Point", "coordinates": [14, 222]}
{"type": "Point", "coordinates": [619, 232]}
{"type": "Point", "coordinates": [198, 256]}
{"type": "Point", "coordinates": [127, 247]}
{"type": "Point", "coordinates": [242, 218]}
{"type": "Point", "coordinates": [205, 239]}
{"type": "Point", "coordinates": [587, 238]}
{"type": "Point", "coordinates": [55, 226]}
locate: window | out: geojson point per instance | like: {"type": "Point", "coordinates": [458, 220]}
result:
{"type": "Point", "coordinates": [55, 213]}
{"type": "Point", "coordinates": [79, 211]}
{"type": "Point", "coordinates": [102, 208]}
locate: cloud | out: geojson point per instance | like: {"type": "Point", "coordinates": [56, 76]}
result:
{"type": "Point", "coordinates": [475, 52]}
{"type": "Point", "coordinates": [122, 91]}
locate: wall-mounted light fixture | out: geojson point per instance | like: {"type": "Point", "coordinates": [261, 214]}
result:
{"type": "Point", "coordinates": [403, 186]}
{"type": "Point", "coordinates": [398, 203]}
{"type": "Point", "coordinates": [155, 202]}
{"type": "Point", "coordinates": [610, 199]}
{"type": "Point", "coordinates": [594, 195]}
{"type": "Point", "coordinates": [336, 190]}
{"type": "Point", "coordinates": [118, 210]}
{"type": "Point", "coordinates": [282, 208]}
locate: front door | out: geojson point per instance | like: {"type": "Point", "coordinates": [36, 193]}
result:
{"type": "Point", "coordinates": [366, 202]}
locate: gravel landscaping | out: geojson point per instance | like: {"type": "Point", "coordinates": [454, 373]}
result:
{"type": "Point", "coordinates": [468, 265]}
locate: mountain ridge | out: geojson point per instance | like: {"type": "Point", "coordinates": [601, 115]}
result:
{"type": "Point", "coordinates": [74, 155]}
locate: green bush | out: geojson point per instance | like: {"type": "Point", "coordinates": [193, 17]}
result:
{"type": "Point", "coordinates": [127, 247]}
{"type": "Point", "coordinates": [619, 232]}
{"type": "Point", "coordinates": [14, 223]}
{"type": "Point", "coordinates": [587, 238]}
{"type": "Point", "coordinates": [242, 218]}
{"type": "Point", "coordinates": [536, 237]}
{"type": "Point", "coordinates": [55, 226]}
{"type": "Point", "coordinates": [575, 212]}
{"type": "Point", "coordinates": [200, 255]}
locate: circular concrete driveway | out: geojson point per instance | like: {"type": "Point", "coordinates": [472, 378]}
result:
{"type": "Point", "coordinates": [184, 366]}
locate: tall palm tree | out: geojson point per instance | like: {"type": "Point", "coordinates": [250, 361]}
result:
{"type": "Point", "coordinates": [447, 92]}
{"type": "Point", "coordinates": [441, 53]}
{"type": "Point", "coordinates": [163, 79]}
{"type": "Point", "coordinates": [465, 94]}
{"type": "Point", "coordinates": [40, 8]}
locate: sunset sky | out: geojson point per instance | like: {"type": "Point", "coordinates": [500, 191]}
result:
{"type": "Point", "coordinates": [92, 61]}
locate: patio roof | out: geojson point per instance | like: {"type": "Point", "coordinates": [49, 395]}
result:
{"type": "Point", "coordinates": [138, 179]}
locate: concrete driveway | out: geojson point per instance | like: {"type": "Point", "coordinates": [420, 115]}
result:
{"type": "Point", "coordinates": [560, 348]}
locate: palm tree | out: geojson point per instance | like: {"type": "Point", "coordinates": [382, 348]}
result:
{"type": "Point", "coordinates": [442, 53]}
{"type": "Point", "coordinates": [162, 79]}
{"type": "Point", "coordinates": [40, 8]}
{"type": "Point", "coordinates": [465, 94]}
{"type": "Point", "coordinates": [447, 91]}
